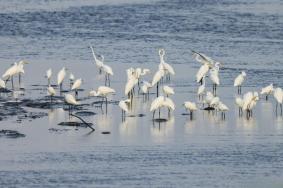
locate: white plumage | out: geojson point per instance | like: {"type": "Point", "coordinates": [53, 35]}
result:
{"type": "Point", "coordinates": [61, 75]}
{"type": "Point", "coordinates": [168, 90]}
{"type": "Point", "coordinates": [70, 99]}
{"type": "Point", "coordinates": [239, 79]}
{"type": "Point", "coordinates": [77, 84]}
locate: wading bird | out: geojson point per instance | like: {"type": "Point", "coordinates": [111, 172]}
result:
{"type": "Point", "coordinates": [168, 69]}
{"type": "Point", "coordinates": [71, 101]}
{"type": "Point", "coordinates": [267, 91]}
{"type": "Point", "coordinates": [108, 71]}
{"type": "Point", "coordinates": [99, 63]}
{"type": "Point", "coordinates": [191, 106]}
{"type": "Point", "coordinates": [160, 102]}
{"type": "Point", "coordinates": [156, 80]}
{"type": "Point", "coordinates": [51, 92]}
{"type": "Point", "coordinates": [48, 76]}
{"type": "Point", "coordinates": [168, 91]}
{"type": "Point", "coordinates": [239, 102]}
{"type": "Point", "coordinates": [214, 76]}
{"type": "Point", "coordinates": [103, 92]}
{"type": "Point", "coordinates": [124, 105]}
{"type": "Point", "coordinates": [77, 84]}
{"type": "Point", "coordinates": [239, 81]}
{"type": "Point", "coordinates": [278, 95]}
{"type": "Point", "coordinates": [60, 77]}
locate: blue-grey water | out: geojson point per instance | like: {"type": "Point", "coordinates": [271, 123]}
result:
{"type": "Point", "coordinates": [203, 152]}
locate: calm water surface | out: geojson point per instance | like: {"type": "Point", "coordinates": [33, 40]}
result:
{"type": "Point", "coordinates": [203, 152]}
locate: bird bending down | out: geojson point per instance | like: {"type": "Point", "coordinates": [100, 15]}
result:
{"type": "Point", "coordinates": [239, 81]}
{"type": "Point", "coordinates": [250, 100]}
{"type": "Point", "coordinates": [160, 102]}
{"type": "Point", "coordinates": [103, 92]}
{"type": "Point", "coordinates": [145, 89]}
{"type": "Point", "coordinates": [191, 106]}
{"type": "Point", "coordinates": [77, 84]}
{"type": "Point", "coordinates": [222, 108]}
{"type": "Point", "coordinates": [240, 102]}
{"type": "Point", "coordinates": [124, 105]}
{"type": "Point", "coordinates": [51, 92]}
{"type": "Point", "coordinates": [168, 91]}
{"type": "Point", "coordinates": [71, 101]}
{"type": "Point", "coordinates": [267, 91]}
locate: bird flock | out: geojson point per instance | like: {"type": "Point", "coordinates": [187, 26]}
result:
{"type": "Point", "coordinates": [137, 85]}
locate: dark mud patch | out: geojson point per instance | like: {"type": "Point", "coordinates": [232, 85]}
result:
{"type": "Point", "coordinates": [105, 132]}
{"type": "Point", "coordinates": [11, 134]}
{"type": "Point", "coordinates": [137, 115]}
{"type": "Point", "coordinates": [4, 90]}
{"type": "Point", "coordinates": [32, 115]}
{"type": "Point", "coordinates": [44, 103]}
{"type": "Point", "coordinates": [85, 113]}
{"type": "Point", "coordinates": [74, 124]}
{"type": "Point", "coordinates": [185, 114]}
{"type": "Point", "coordinates": [160, 120]}
{"type": "Point", "coordinates": [209, 108]}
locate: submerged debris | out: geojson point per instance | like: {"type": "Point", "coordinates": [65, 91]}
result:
{"type": "Point", "coordinates": [159, 120]}
{"type": "Point", "coordinates": [85, 113]}
{"type": "Point", "coordinates": [11, 134]}
{"type": "Point", "coordinates": [105, 132]}
{"type": "Point", "coordinates": [74, 124]}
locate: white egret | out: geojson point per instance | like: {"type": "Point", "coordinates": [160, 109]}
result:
{"type": "Point", "coordinates": [48, 76]}
{"type": "Point", "coordinates": [202, 73]}
{"type": "Point", "coordinates": [71, 101]}
{"type": "Point", "coordinates": [77, 84]}
{"type": "Point", "coordinates": [239, 101]}
{"type": "Point", "coordinates": [71, 79]}
{"type": "Point", "coordinates": [102, 91]}
{"type": "Point", "coordinates": [108, 71]}
{"type": "Point", "coordinates": [168, 69]}
{"type": "Point", "coordinates": [130, 87]}
{"type": "Point", "coordinates": [124, 105]}
{"type": "Point", "coordinates": [250, 99]}
{"type": "Point", "coordinates": [239, 81]}
{"type": "Point", "coordinates": [168, 91]}
{"type": "Point", "coordinates": [99, 63]}
{"type": "Point", "coordinates": [201, 89]}
{"type": "Point", "coordinates": [267, 91]}
{"type": "Point", "coordinates": [278, 95]}
{"type": "Point", "coordinates": [21, 69]}
{"type": "Point", "coordinates": [145, 88]}
{"type": "Point", "coordinates": [156, 79]}
{"type": "Point", "coordinates": [10, 73]}
{"type": "Point", "coordinates": [60, 77]}
{"type": "Point", "coordinates": [160, 102]}
{"type": "Point", "coordinates": [214, 76]}
{"type": "Point", "coordinates": [51, 92]}
{"type": "Point", "coordinates": [222, 108]}
{"type": "Point", "coordinates": [191, 106]}
{"type": "Point", "coordinates": [208, 98]}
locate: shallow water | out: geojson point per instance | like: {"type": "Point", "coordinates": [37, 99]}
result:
{"type": "Point", "coordinates": [203, 152]}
